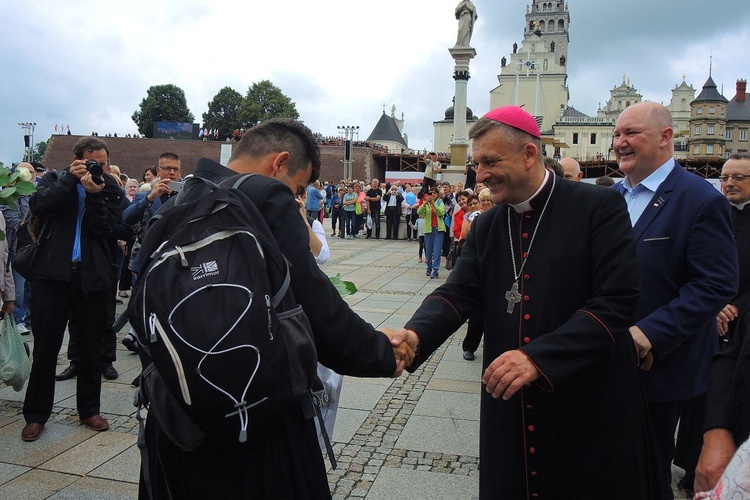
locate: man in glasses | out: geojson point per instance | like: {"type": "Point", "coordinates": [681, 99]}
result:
{"type": "Point", "coordinates": [727, 425]}
{"type": "Point", "coordinates": [145, 205]}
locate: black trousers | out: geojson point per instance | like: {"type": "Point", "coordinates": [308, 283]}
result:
{"type": "Point", "coordinates": [337, 215]}
{"type": "Point", "coordinates": [52, 304]}
{"type": "Point", "coordinates": [392, 219]}
{"type": "Point", "coordinates": [690, 435]}
{"type": "Point", "coordinates": [664, 417]}
{"type": "Point", "coordinates": [108, 335]}
{"type": "Point", "coordinates": [474, 331]}
{"type": "Point", "coordinates": [375, 212]}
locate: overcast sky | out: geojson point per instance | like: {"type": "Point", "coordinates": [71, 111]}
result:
{"type": "Point", "coordinates": [89, 63]}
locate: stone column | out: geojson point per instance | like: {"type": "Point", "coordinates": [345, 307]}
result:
{"type": "Point", "coordinates": [459, 144]}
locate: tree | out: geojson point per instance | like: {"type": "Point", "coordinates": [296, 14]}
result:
{"type": "Point", "coordinates": [163, 103]}
{"type": "Point", "coordinates": [265, 100]}
{"type": "Point", "coordinates": [223, 112]}
{"type": "Point", "coordinates": [39, 150]}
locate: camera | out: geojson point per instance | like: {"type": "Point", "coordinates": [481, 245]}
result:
{"type": "Point", "coordinates": [95, 169]}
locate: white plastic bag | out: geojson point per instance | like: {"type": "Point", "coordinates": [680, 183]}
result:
{"type": "Point", "coordinates": [15, 364]}
{"type": "Point", "coordinates": [329, 406]}
{"type": "Point", "coordinates": [368, 222]}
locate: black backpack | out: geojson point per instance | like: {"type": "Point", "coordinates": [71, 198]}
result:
{"type": "Point", "coordinates": [225, 348]}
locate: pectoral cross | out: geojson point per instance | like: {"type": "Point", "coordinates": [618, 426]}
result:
{"type": "Point", "coordinates": [513, 297]}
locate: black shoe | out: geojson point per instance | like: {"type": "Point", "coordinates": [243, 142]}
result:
{"type": "Point", "coordinates": [468, 356]}
{"type": "Point", "coordinates": [130, 343]}
{"type": "Point", "coordinates": [686, 485]}
{"type": "Point", "coordinates": [109, 372]}
{"type": "Point", "coordinates": [68, 373]}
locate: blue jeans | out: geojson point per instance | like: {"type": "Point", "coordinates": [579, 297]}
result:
{"type": "Point", "coordinates": [351, 218]}
{"type": "Point", "coordinates": [433, 243]}
{"type": "Point", "coordinates": [20, 307]}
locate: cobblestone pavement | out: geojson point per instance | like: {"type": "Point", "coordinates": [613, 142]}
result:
{"type": "Point", "coordinates": [412, 437]}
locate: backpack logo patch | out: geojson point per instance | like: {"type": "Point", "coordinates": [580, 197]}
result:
{"type": "Point", "coordinates": [210, 268]}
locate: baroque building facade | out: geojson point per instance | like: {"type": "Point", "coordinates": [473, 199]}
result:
{"type": "Point", "coordinates": [536, 75]}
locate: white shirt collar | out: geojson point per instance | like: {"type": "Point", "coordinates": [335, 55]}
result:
{"type": "Point", "coordinates": [525, 206]}
{"type": "Point", "coordinates": [741, 206]}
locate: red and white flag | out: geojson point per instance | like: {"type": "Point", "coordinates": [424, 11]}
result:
{"type": "Point", "coordinates": [55, 127]}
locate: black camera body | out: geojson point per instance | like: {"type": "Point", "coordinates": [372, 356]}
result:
{"type": "Point", "coordinates": [96, 170]}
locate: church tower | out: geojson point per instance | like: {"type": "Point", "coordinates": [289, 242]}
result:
{"type": "Point", "coordinates": [536, 75]}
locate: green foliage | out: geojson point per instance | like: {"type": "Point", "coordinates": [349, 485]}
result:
{"type": "Point", "coordinates": [11, 188]}
{"type": "Point", "coordinates": [344, 287]}
{"type": "Point", "coordinates": [39, 149]}
{"type": "Point", "coordinates": [223, 112]}
{"type": "Point", "coordinates": [163, 103]}
{"type": "Point", "coordinates": [263, 101]}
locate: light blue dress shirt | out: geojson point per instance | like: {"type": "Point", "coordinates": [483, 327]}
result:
{"type": "Point", "coordinates": [640, 196]}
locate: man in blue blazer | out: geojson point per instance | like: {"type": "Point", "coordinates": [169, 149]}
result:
{"type": "Point", "coordinates": [687, 264]}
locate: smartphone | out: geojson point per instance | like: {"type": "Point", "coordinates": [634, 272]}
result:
{"type": "Point", "coordinates": [175, 186]}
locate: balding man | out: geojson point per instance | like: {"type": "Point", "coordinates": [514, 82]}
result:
{"type": "Point", "coordinates": [727, 424]}
{"type": "Point", "coordinates": [688, 269]}
{"type": "Point", "coordinates": [571, 169]}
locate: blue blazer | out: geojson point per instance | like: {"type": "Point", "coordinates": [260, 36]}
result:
{"type": "Point", "coordinates": [687, 262]}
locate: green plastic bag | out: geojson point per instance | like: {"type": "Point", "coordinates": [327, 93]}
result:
{"type": "Point", "coordinates": [15, 364]}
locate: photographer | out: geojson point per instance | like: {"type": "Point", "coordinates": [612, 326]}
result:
{"type": "Point", "coordinates": [431, 170]}
{"type": "Point", "coordinates": [72, 278]}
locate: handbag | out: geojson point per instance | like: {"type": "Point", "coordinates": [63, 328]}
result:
{"type": "Point", "coordinates": [358, 208]}
{"type": "Point", "coordinates": [450, 259]}
{"type": "Point", "coordinates": [15, 364]}
{"type": "Point", "coordinates": [32, 231]}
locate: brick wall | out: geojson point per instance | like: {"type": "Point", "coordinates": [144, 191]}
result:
{"type": "Point", "coordinates": [133, 156]}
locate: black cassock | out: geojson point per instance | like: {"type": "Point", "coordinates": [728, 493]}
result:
{"type": "Point", "coordinates": [729, 392]}
{"type": "Point", "coordinates": [579, 431]}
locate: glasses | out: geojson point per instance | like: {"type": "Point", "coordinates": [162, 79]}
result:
{"type": "Point", "coordinates": [171, 169]}
{"type": "Point", "coordinates": [736, 178]}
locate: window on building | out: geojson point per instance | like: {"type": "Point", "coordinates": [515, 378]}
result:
{"type": "Point", "coordinates": [710, 149]}
{"type": "Point", "coordinates": [729, 135]}
{"type": "Point", "coordinates": [575, 137]}
{"type": "Point", "coordinates": [696, 150]}
{"type": "Point", "coordinates": [593, 138]}
{"type": "Point", "coordinates": [560, 25]}
{"type": "Point", "coordinates": [712, 110]}
{"type": "Point", "coordinates": [699, 110]}
{"type": "Point", "coordinates": [721, 111]}
{"type": "Point", "coordinates": [710, 129]}
{"type": "Point", "coordinates": [743, 135]}
{"type": "Point", "coordinates": [698, 130]}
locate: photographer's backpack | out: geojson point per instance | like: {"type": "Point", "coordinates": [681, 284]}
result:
{"type": "Point", "coordinates": [225, 348]}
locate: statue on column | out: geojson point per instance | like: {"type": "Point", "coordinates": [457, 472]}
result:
{"type": "Point", "coordinates": [466, 14]}
{"type": "Point", "coordinates": [515, 47]}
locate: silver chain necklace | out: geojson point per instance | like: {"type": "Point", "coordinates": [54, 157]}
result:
{"type": "Point", "coordinates": [512, 295]}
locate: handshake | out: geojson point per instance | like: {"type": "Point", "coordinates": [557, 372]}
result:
{"type": "Point", "coordinates": [405, 346]}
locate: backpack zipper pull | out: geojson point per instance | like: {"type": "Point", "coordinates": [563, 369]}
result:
{"type": "Point", "coordinates": [152, 328]}
{"type": "Point", "coordinates": [183, 260]}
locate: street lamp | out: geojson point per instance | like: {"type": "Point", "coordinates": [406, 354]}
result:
{"type": "Point", "coordinates": [28, 139]}
{"type": "Point", "coordinates": [348, 131]}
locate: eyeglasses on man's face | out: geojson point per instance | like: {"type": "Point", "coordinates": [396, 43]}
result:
{"type": "Point", "coordinates": [171, 169]}
{"type": "Point", "coordinates": [736, 178]}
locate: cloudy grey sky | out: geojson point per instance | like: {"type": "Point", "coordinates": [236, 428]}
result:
{"type": "Point", "coordinates": [89, 63]}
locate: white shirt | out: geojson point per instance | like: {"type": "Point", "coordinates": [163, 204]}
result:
{"type": "Point", "coordinates": [325, 252]}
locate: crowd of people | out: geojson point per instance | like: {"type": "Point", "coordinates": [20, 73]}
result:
{"type": "Point", "coordinates": [627, 306]}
